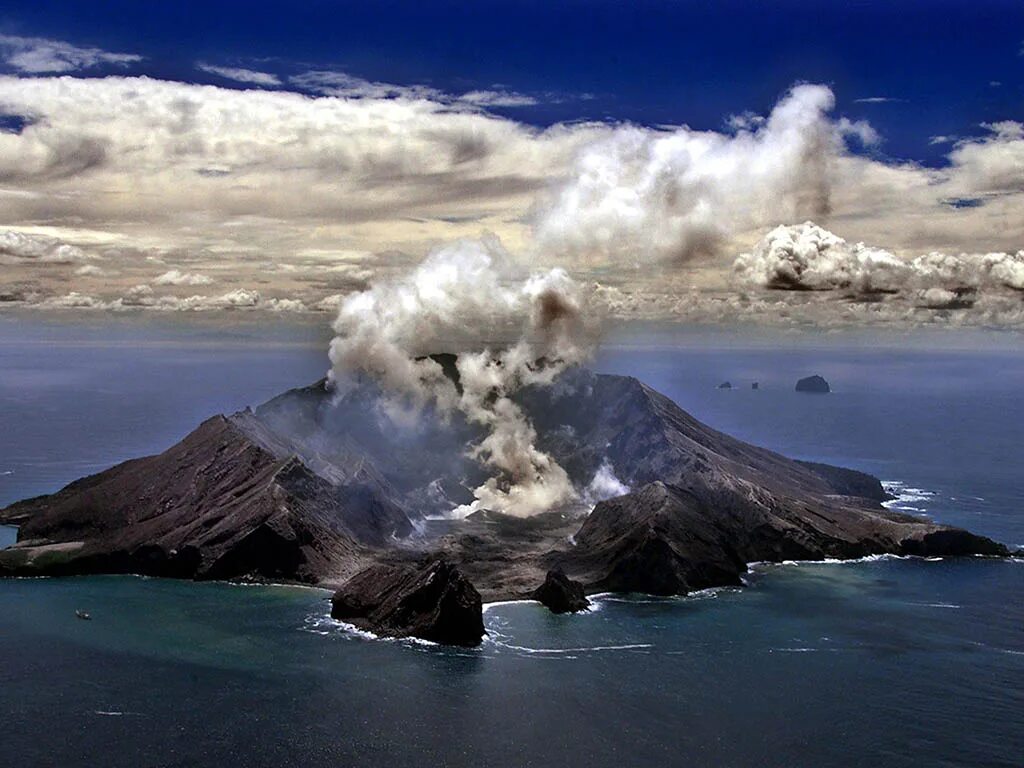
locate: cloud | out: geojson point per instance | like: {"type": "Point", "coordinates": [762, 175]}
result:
{"type": "Point", "coordinates": [807, 257]}
{"type": "Point", "coordinates": [21, 247]}
{"type": "Point", "coordinates": [346, 86]}
{"type": "Point", "coordinates": [642, 195]}
{"type": "Point", "coordinates": [177, 277]}
{"type": "Point", "coordinates": [74, 300]}
{"type": "Point", "coordinates": [306, 196]}
{"type": "Point", "coordinates": [37, 55]}
{"type": "Point", "coordinates": [498, 98]}
{"type": "Point", "coordinates": [241, 75]}
{"type": "Point", "coordinates": [994, 162]}
{"type": "Point", "coordinates": [269, 170]}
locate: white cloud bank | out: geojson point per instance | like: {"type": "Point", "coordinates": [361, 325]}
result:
{"type": "Point", "coordinates": [239, 183]}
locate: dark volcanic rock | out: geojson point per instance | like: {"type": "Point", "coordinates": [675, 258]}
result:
{"type": "Point", "coordinates": [667, 540]}
{"type": "Point", "coordinates": [215, 506]}
{"type": "Point", "coordinates": [850, 482]}
{"type": "Point", "coordinates": [660, 540]}
{"type": "Point", "coordinates": [561, 594]}
{"type": "Point", "coordinates": [433, 602]}
{"type": "Point", "coordinates": [813, 384]}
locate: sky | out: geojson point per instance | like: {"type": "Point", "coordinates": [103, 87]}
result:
{"type": "Point", "coordinates": [696, 162]}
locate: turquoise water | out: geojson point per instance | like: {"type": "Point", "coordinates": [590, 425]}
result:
{"type": "Point", "coordinates": [882, 663]}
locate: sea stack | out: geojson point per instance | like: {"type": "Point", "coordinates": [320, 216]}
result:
{"type": "Point", "coordinates": [433, 601]}
{"type": "Point", "coordinates": [814, 384]}
{"type": "Point", "coordinates": [725, 385]}
{"type": "Point", "coordinates": [755, 385]}
{"type": "Point", "coordinates": [560, 594]}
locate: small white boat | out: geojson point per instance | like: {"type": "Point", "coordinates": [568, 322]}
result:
{"type": "Point", "coordinates": [82, 615]}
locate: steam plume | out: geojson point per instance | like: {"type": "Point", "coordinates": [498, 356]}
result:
{"type": "Point", "coordinates": [467, 294]}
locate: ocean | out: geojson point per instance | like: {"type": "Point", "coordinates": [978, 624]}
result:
{"type": "Point", "coordinates": [889, 662]}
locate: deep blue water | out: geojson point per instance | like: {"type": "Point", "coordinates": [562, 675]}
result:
{"type": "Point", "coordinates": [885, 663]}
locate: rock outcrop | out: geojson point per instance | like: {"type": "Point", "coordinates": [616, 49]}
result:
{"type": "Point", "coordinates": [560, 594]}
{"type": "Point", "coordinates": [815, 384]}
{"type": "Point", "coordinates": [433, 601]}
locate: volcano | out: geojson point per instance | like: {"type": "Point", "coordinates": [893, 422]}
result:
{"type": "Point", "coordinates": [319, 484]}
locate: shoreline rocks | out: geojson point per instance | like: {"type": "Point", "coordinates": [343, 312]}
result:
{"type": "Point", "coordinates": [560, 594]}
{"type": "Point", "coordinates": [433, 601]}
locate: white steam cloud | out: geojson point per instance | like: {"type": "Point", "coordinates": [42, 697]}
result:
{"type": "Point", "coordinates": [605, 485]}
{"type": "Point", "coordinates": [807, 257]}
{"type": "Point", "coordinates": [469, 291]}
{"type": "Point", "coordinates": [647, 195]}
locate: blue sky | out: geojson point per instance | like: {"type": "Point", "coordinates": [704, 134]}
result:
{"type": "Point", "coordinates": [946, 66]}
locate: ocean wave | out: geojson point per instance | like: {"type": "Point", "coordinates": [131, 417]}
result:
{"type": "Point", "coordinates": [580, 649]}
{"type": "Point", "coordinates": [757, 565]}
{"type": "Point", "coordinates": [115, 713]}
{"type": "Point", "coordinates": [906, 497]}
{"type": "Point", "coordinates": [500, 603]}
{"type": "Point", "coordinates": [320, 624]}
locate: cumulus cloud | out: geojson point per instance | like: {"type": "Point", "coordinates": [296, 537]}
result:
{"type": "Point", "coordinates": [177, 277]}
{"type": "Point", "coordinates": [808, 257]}
{"type": "Point", "coordinates": [993, 163]}
{"type": "Point", "coordinates": [37, 55]}
{"type": "Point", "coordinates": [241, 75]}
{"type": "Point", "coordinates": [20, 247]}
{"type": "Point", "coordinates": [387, 331]}
{"type": "Point", "coordinates": [643, 195]}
